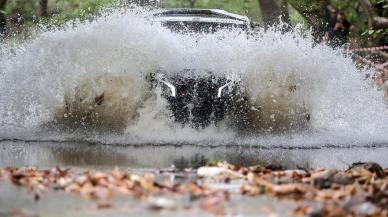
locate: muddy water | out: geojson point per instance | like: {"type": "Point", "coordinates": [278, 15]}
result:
{"type": "Point", "coordinates": [147, 158]}
{"type": "Point", "coordinates": [99, 156]}
{"type": "Point", "coordinates": [137, 159]}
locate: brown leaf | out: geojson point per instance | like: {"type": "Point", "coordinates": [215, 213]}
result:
{"type": "Point", "coordinates": [371, 167]}
{"type": "Point", "coordinates": [288, 189]}
{"type": "Point", "coordinates": [104, 206]}
{"type": "Point", "coordinates": [303, 210]}
{"type": "Point", "coordinates": [17, 178]}
{"type": "Point", "coordinates": [214, 204]}
{"type": "Point", "coordinates": [99, 99]}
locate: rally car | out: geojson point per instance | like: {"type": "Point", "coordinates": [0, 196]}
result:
{"type": "Point", "coordinates": [203, 100]}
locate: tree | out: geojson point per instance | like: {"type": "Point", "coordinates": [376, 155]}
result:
{"type": "Point", "coordinates": [43, 7]}
{"type": "Point", "coordinates": [272, 13]}
{"type": "Point", "coordinates": [284, 11]}
{"type": "Point", "coordinates": [315, 13]}
{"type": "Point", "coordinates": [3, 20]}
{"type": "Point", "coordinates": [192, 3]}
{"type": "Point", "coordinates": [374, 21]}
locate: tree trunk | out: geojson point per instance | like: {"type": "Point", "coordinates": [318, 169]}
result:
{"type": "Point", "coordinates": [374, 21]}
{"type": "Point", "coordinates": [284, 11]}
{"type": "Point", "coordinates": [3, 20]}
{"type": "Point", "coordinates": [272, 13]}
{"type": "Point", "coordinates": [316, 14]}
{"type": "Point", "coordinates": [43, 8]}
{"type": "Point", "coordinates": [192, 3]}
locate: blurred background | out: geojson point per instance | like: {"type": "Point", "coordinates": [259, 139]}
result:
{"type": "Point", "coordinates": [356, 23]}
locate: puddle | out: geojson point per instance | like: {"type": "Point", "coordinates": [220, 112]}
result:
{"type": "Point", "coordinates": [98, 156]}
{"type": "Point", "coordinates": [79, 156]}
{"type": "Point", "coordinates": [15, 201]}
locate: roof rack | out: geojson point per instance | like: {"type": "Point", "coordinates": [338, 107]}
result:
{"type": "Point", "coordinates": [216, 13]}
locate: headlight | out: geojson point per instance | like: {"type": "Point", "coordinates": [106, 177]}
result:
{"type": "Point", "coordinates": [169, 85]}
{"type": "Point", "coordinates": [221, 89]}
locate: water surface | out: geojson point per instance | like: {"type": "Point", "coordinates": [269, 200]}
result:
{"type": "Point", "coordinates": [100, 156]}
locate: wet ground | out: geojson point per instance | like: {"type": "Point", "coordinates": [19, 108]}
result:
{"type": "Point", "coordinates": [17, 201]}
{"type": "Point", "coordinates": [99, 156]}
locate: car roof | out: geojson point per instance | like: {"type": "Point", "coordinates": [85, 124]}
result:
{"type": "Point", "coordinates": [199, 15]}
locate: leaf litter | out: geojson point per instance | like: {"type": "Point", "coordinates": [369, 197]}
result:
{"type": "Point", "coordinates": [361, 190]}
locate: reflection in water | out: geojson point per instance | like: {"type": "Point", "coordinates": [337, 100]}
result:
{"type": "Point", "coordinates": [98, 156]}
{"type": "Point", "coordinates": [50, 154]}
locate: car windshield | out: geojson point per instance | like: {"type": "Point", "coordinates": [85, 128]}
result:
{"type": "Point", "coordinates": [200, 27]}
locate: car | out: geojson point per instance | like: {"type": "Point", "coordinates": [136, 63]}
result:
{"type": "Point", "coordinates": [203, 100]}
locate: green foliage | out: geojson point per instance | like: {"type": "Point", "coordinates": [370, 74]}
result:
{"type": "Point", "coordinates": [358, 18]}
{"type": "Point", "coordinates": [23, 15]}
{"type": "Point", "coordinates": [25, 11]}
{"type": "Point", "coordinates": [385, 2]}
{"type": "Point", "coordinates": [375, 33]}
{"type": "Point", "coordinates": [71, 9]}
{"type": "Point", "coordinates": [353, 11]}
{"type": "Point", "coordinates": [21, 10]}
{"type": "Point", "coordinates": [296, 18]}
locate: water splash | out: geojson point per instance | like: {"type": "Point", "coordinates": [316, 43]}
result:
{"type": "Point", "coordinates": [94, 75]}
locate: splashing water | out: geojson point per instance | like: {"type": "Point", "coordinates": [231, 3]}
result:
{"type": "Point", "coordinates": [94, 75]}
